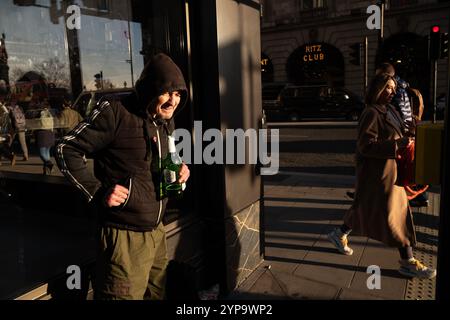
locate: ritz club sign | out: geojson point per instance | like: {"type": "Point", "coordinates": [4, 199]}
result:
{"type": "Point", "coordinates": [313, 53]}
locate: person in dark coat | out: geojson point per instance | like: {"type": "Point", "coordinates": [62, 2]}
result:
{"type": "Point", "coordinates": [5, 136]}
{"type": "Point", "coordinates": [18, 122]}
{"type": "Point", "coordinates": [128, 138]}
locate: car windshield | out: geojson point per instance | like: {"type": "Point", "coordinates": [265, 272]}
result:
{"type": "Point", "coordinates": [309, 92]}
{"type": "Point", "coordinates": [271, 92]}
{"type": "Point", "coordinates": [88, 100]}
{"type": "Point", "coordinates": [290, 92]}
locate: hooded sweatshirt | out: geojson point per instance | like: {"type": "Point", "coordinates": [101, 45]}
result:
{"type": "Point", "coordinates": [127, 146]}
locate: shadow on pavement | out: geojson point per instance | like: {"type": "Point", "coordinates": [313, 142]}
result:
{"type": "Point", "coordinates": [297, 215]}
{"type": "Point", "coordinates": [427, 239]}
{"type": "Point", "coordinates": [426, 220]}
{"type": "Point", "coordinates": [300, 247]}
{"type": "Point", "coordinates": [310, 180]}
{"type": "Point", "coordinates": [305, 200]}
{"type": "Point", "coordinates": [311, 228]}
{"type": "Point", "coordinates": [393, 273]}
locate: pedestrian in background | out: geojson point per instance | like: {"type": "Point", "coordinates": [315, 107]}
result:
{"type": "Point", "coordinates": [45, 136]}
{"type": "Point", "coordinates": [19, 125]}
{"type": "Point", "coordinates": [68, 118]}
{"type": "Point", "coordinates": [5, 126]}
{"type": "Point", "coordinates": [380, 208]}
{"type": "Point", "coordinates": [403, 102]}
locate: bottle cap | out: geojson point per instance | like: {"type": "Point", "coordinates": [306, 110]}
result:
{"type": "Point", "coordinates": [172, 147]}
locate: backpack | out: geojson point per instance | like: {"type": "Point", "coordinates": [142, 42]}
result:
{"type": "Point", "coordinates": [18, 118]}
{"type": "Point", "coordinates": [417, 105]}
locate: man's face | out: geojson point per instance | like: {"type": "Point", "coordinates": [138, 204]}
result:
{"type": "Point", "coordinates": [166, 105]}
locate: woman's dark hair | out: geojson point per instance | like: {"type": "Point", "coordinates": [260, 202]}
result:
{"type": "Point", "coordinates": [377, 86]}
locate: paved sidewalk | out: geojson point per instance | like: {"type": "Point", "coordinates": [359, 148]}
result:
{"type": "Point", "coordinates": [300, 262]}
{"type": "Point", "coordinates": [34, 165]}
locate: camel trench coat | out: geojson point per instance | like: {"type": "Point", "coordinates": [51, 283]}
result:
{"type": "Point", "coordinates": [380, 209]}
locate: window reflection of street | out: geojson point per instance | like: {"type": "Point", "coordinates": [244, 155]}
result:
{"type": "Point", "coordinates": [103, 41]}
{"type": "Point", "coordinates": [49, 62]}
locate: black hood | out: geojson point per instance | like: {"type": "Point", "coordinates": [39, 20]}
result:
{"type": "Point", "coordinates": [160, 75]}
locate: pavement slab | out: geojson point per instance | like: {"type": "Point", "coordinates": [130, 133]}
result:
{"type": "Point", "coordinates": [301, 263]}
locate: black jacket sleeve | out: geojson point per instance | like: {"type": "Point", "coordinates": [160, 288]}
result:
{"type": "Point", "coordinates": [89, 136]}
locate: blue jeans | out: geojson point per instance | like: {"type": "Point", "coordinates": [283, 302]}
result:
{"type": "Point", "coordinates": [44, 154]}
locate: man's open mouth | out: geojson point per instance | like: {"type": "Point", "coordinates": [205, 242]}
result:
{"type": "Point", "coordinates": [167, 107]}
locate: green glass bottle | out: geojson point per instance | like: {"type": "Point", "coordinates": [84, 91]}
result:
{"type": "Point", "coordinates": [171, 172]}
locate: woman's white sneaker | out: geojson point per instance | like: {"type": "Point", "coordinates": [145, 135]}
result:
{"type": "Point", "coordinates": [414, 268]}
{"type": "Point", "coordinates": [340, 241]}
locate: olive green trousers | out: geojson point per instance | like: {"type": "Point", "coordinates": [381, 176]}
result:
{"type": "Point", "coordinates": [131, 265]}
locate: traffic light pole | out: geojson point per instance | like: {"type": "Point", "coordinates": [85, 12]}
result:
{"type": "Point", "coordinates": [73, 47]}
{"type": "Point", "coordinates": [130, 47]}
{"type": "Point", "coordinates": [382, 5]}
{"type": "Point", "coordinates": [366, 64]}
{"type": "Point", "coordinates": [434, 54]}
{"type": "Point", "coordinates": [435, 77]}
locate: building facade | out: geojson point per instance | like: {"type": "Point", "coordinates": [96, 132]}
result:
{"type": "Point", "coordinates": [309, 41]}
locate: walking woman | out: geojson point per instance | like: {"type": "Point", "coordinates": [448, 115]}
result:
{"type": "Point", "coordinates": [380, 209]}
{"type": "Point", "coordinates": [45, 137]}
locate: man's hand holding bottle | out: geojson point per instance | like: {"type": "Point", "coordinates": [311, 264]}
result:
{"type": "Point", "coordinates": [184, 174]}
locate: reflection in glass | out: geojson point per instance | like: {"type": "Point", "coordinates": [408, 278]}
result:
{"type": "Point", "coordinates": [37, 40]}
{"type": "Point", "coordinates": [110, 44]}
{"type": "Point", "coordinates": [33, 43]}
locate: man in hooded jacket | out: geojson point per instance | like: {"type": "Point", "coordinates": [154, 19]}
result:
{"type": "Point", "coordinates": [127, 139]}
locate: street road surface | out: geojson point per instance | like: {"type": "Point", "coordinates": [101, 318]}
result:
{"type": "Point", "coordinates": [317, 147]}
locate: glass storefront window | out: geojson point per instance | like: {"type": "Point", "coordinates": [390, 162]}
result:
{"type": "Point", "coordinates": [52, 51]}
{"type": "Point", "coordinates": [110, 44]}
{"type": "Point", "coordinates": [33, 43]}
{"type": "Point", "coordinates": [79, 50]}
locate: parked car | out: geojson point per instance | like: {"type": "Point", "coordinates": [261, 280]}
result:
{"type": "Point", "coordinates": [298, 102]}
{"type": "Point", "coordinates": [87, 100]}
{"type": "Point", "coordinates": [271, 100]}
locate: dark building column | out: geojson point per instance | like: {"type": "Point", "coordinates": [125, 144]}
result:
{"type": "Point", "coordinates": [226, 54]}
{"type": "Point", "coordinates": [443, 265]}
{"type": "Point", "coordinates": [74, 55]}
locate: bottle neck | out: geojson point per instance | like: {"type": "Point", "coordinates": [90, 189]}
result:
{"type": "Point", "coordinates": [172, 148]}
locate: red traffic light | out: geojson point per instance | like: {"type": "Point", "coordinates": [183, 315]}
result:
{"type": "Point", "coordinates": [435, 29]}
